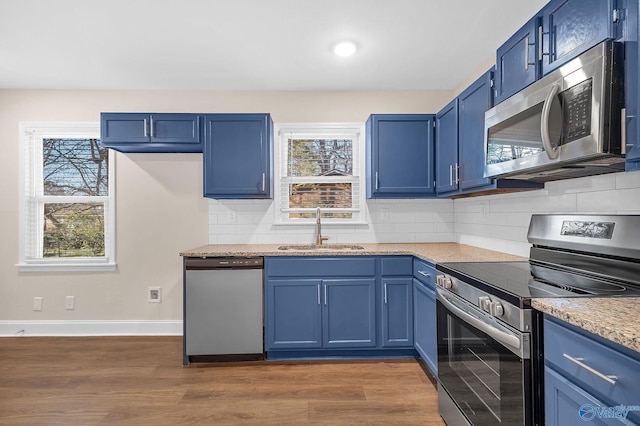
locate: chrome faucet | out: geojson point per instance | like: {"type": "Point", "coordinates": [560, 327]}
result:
{"type": "Point", "coordinates": [319, 237]}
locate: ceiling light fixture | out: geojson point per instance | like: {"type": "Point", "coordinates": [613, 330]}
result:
{"type": "Point", "coordinates": [344, 49]}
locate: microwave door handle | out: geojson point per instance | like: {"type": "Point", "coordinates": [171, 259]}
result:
{"type": "Point", "coordinates": [552, 152]}
{"type": "Point", "coordinates": [510, 341]}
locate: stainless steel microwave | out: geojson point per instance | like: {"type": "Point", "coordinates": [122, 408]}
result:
{"type": "Point", "coordinates": [568, 124]}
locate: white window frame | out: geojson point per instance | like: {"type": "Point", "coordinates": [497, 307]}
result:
{"type": "Point", "coordinates": [30, 222]}
{"type": "Point", "coordinates": [329, 130]}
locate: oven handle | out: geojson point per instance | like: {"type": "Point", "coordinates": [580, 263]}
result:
{"type": "Point", "coordinates": [502, 337]}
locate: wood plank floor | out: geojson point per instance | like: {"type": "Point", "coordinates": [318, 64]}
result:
{"type": "Point", "coordinates": [141, 381]}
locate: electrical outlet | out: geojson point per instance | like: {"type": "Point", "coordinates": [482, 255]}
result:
{"type": "Point", "coordinates": [384, 214]}
{"type": "Point", "coordinates": [232, 217]}
{"type": "Point", "coordinates": [154, 295]}
{"type": "Point", "coordinates": [37, 303]}
{"type": "Point", "coordinates": [70, 303]}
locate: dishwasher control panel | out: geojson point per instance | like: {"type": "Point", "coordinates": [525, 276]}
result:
{"type": "Point", "coordinates": [192, 263]}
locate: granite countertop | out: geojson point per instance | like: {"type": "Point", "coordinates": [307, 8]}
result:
{"type": "Point", "coordinates": [430, 252]}
{"type": "Point", "coordinates": [616, 319]}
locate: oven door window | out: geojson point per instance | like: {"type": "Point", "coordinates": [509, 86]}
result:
{"type": "Point", "coordinates": [485, 379]}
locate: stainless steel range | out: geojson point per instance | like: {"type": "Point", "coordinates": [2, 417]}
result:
{"type": "Point", "coordinates": [490, 339]}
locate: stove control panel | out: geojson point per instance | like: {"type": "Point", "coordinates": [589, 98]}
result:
{"type": "Point", "coordinates": [444, 282]}
{"type": "Point", "coordinates": [517, 317]}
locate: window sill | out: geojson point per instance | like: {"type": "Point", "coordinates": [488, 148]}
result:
{"type": "Point", "coordinates": [66, 267]}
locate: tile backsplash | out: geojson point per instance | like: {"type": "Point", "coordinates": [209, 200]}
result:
{"type": "Point", "coordinates": [390, 221]}
{"type": "Point", "coordinates": [500, 222]}
{"type": "Point", "coordinates": [496, 222]}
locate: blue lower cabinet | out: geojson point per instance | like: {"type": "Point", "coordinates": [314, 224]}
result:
{"type": "Point", "coordinates": [321, 306]}
{"type": "Point", "coordinates": [424, 313]}
{"type": "Point", "coordinates": [588, 378]}
{"type": "Point", "coordinates": [424, 324]}
{"type": "Point", "coordinates": [397, 312]}
{"type": "Point", "coordinates": [293, 314]}
{"type": "Point", "coordinates": [348, 313]}
{"type": "Point", "coordinates": [312, 314]}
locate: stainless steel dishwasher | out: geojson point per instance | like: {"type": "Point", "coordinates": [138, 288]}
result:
{"type": "Point", "coordinates": [223, 314]}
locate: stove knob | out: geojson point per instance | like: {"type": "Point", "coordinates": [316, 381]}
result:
{"type": "Point", "coordinates": [484, 303]}
{"type": "Point", "coordinates": [446, 283]}
{"type": "Point", "coordinates": [497, 310]}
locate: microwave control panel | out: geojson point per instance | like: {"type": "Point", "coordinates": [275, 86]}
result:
{"type": "Point", "coordinates": [576, 103]}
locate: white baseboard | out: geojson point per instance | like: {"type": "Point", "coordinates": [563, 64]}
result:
{"type": "Point", "coordinates": [90, 328]}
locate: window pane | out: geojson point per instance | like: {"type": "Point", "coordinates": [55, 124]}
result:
{"type": "Point", "coordinates": [323, 195]}
{"type": "Point", "coordinates": [73, 230]}
{"type": "Point", "coordinates": [74, 167]}
{"type": "Point", "coordinates": [320, 157]}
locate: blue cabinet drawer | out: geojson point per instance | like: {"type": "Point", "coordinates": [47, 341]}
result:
{"type": "Point", "coordinates": [320, 267]}
{"type": "Point", "coordinates": [424, 272]}
{"type": "Point", "coordinates": [396, 265]}
{"type": "Point", "coordinates": [607, 373]}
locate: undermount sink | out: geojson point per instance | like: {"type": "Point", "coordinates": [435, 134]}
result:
{"type": "Point", "coordinates": [314, 247]}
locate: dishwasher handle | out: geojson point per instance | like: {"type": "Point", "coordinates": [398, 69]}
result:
{"type": "Point", "coordinates": [216, 263]}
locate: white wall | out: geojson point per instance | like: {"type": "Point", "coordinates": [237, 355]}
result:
{"type": "Point", "coordinates": [500, 222]}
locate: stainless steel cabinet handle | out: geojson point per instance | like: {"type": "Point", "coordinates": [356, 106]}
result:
{"type": "Point", "coordinates": [144, 125]}
{"type": "Point", "coordinates": [539, 42]}
{"type": "Point", "coordinates": [263, 181]}
{"type": "Point", "coordinates": [450, 174]}
{"type": "Point", "coordinates": [325, 295]}
{"type": "Point", "coordinates": [318, 294]}
{"type": "Point", "coordinates": [457, 169]}
{"type": "Point", "coordinates": [544, 124]}
{"type": "Point", "coordinates": [151, 126]}
{"type": "Point", "coordinates": [377, 182]}
{"type": "Point", "coordinates": [424, 274]}
{"type": "Point", "coordinates": [526, 53]}
{"type": "Point", "coordinates": [385, 293]}
{"type": "Point", "coordinates": [579, 361]}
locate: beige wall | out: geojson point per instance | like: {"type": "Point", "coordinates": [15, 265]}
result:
{"type": "Point", "coordinates": [159, 203]}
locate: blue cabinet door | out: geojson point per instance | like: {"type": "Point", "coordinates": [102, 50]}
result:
{"type": "Point", "coordinates": [237, 156]}
{"type": "Point", "coordinates": [447, 148]}
{"type": "Point", "coordinates": [349, 313]}
{"type": "Point", "coordinates": [424, 324]}
{"type": "Point", "coordinates": [473, 103]}
{"type": "Point", "coordinates": [397, 312]}
{"type": "Point", "coordinates": [400, 156]}
{"type": "Point", "coordinates": [571, 27]}
{"type": "Point", "coordinates": [293, 314]}
{"type": "Point", "coordinates": [566, 403]}
{"type": "Point", "coordinates": [517, 61]}
{"type": "Point", "coordinates": [179, 129]}
{"type": "Point", "coordinates": [151, 132]}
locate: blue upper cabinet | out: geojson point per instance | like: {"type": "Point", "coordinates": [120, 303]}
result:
{"type": "Point", "coordinates": [571, 27]}
{"type": "Point", "coordinates": [238, 158]}
{"type": "Point", "coordinates": [472, 104]}
{"type": "Point", "coordinates": [151, 132]}
{"type": "Point", "coordinates": [517, 64]}
{"type": "Point", "coordinates": [400, 156]}
{"type": "Point", "coordinates": [447, 148]}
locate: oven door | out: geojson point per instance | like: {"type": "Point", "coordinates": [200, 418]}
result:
{"type": "Point", "coordinates": [483, 365]}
